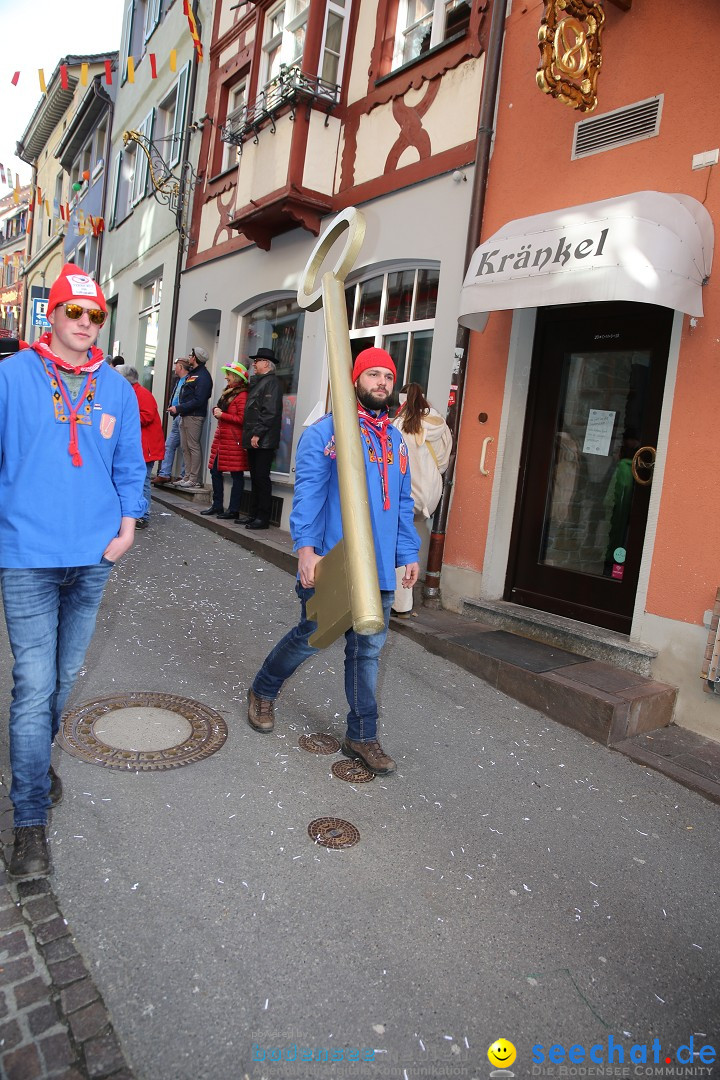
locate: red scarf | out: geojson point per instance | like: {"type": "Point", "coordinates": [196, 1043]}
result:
{"type": "Point", "coordinates": [375, 430]}
{"type": "Point", "coordinates": [94, 359]}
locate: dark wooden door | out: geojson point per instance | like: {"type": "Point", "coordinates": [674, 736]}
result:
{"type": "Point", "coordinates": [591, 429]}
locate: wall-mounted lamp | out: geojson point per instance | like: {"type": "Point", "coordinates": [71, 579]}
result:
{"type": "Point", "coordinates": [459, 177]}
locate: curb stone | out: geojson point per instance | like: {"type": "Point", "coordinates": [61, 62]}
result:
{"type": "Point", "coordinates": [54, 1024]}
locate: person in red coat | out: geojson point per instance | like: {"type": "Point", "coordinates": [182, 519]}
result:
{"type": "Point", "coordinates": [151, 432]}
{"type": "Point", "coordinates": [226, 452]}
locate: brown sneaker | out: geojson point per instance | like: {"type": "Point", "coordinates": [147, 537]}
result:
{"type": "Point", "coordinates": [371, 754]}
{"type": "Point", "coordinates": [30, 857]}
{"type": "Point", "coordinates": [158, 481]}
{"type": "Point", "coordinates": [261, 712]}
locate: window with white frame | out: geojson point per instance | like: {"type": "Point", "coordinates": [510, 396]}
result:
{"type": "Point", "coordinates": [140, 177]}
{"type": "Point", "coordinates": [152, 16]}
{"type": "Point", "coordinates": [170, 120]}
{"type": "Point", "coordinates": [150, 297]}
{"type": "Point", "coordinates": [332, 52]}
{"type": "Point", "coordinates": [423, 24]}
{"type": "Point", "coordinates": [123, 186]}
{"type": "Point", "coordinates": [237, 100]}
{"type": "Point", "coordinates": [285, 26]}
{"type": "Point", "coordinates": [396, 311]}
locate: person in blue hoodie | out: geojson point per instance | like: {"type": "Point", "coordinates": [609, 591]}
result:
{"type": "Point", "coordinates": [71, 490]}
{"type": "Point", "coordinates": [316, 526]}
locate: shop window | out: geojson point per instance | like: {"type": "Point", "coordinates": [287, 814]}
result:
{"type": "Point", "coordinates": [423, 24]}
{"type": "Point", "coordinates": [149, 316]}
{"type": "Point", "coordinates": [278, 326]}
{"type": "Point", "coordinates": [396, 311]}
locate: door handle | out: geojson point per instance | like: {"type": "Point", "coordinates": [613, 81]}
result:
{"type": "Point", "coordinates": [486, 443]}
{"type": "Point", "coordinates": [646, 463]}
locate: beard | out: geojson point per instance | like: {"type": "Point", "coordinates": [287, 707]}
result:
{"type": "Point", "coordinates": [370, 400]}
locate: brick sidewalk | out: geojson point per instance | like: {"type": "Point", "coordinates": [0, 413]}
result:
{"type": "Point", "coordinates": [53, 1021]}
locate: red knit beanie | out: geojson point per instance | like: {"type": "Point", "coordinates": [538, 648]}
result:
{"type": "Point", "coordinates": [74, 284]}
{"type": "Point", "coordinates": [371, 358]}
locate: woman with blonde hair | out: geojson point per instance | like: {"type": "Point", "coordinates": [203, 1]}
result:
{"type": "Point", "coordinates": [429, 442]}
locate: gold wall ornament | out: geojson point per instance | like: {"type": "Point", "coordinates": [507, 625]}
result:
{"type": "Point", "coordinates": [347, 592]}
{"type": "Point", "coordinates": [570, 52]}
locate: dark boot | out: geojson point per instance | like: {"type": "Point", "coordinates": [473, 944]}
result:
{"type": "Point", "coordinates": [30, 857]}
{"type": "Point", "coordinates": [261, 712]}
{"type": "Point", "coordinates": [56, 788]}
{"type": "Point", "coordinates": [371, 754]}
{"type": "Point", "coordinates": [213, 510]}
{"type": "Point", "coordinates": [229, 515]}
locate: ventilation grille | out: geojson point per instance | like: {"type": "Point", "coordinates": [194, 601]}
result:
{"type": "Point", "coordinates": [618, 128]}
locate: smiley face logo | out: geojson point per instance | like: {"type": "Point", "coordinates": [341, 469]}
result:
{"type": "Point", "coordinates": [502, 1053]}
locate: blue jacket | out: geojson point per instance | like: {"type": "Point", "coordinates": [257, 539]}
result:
{"type": "Point", "coordinates": [54, 513]}
{"type": "Point", "coordinates": [315, 520]}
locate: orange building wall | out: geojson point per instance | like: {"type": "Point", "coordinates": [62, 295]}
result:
{"type": "Point", "coordinates": [657, 47]}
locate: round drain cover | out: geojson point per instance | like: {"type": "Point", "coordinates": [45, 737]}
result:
{"type": "Point", "coordinates": [142, 732]}
{"type": "Point", "coordinates": [333, 832]}
{"type": "Point", "coordinates": [319, 743]}
{"type": "Point", "coordinates": [352, 771]}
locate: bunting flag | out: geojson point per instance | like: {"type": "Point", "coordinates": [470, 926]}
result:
{"type": "Point", "coordinates": [108, 72]}
{"type": "Point", "coordinates": [2, 174]}
{"type": "Point", "coordinates": [16, 189]}
{"type": "Point", "coordinates": [15, 78]}
{"type": "Point", "coordinates": [173, 60]}
{"type": "Point", "coordinates": [62, 211]}
{"type": "Point", "coordinates": [39, 196]}
{"type": "Point", "coordinates": [41, 76]}
{"type": "Point", "coordinates": [83, 74]}
{"type": "Point", "coordinates": [47, 208]}
{"type": "Point", "coordinates": [130, 69]}
{"type": "Point", "coordinates": [64, 76]}
{"type": "Point", "coordinates": [193, 29]}
{"type": "Point", "coordinates": [153, 65]}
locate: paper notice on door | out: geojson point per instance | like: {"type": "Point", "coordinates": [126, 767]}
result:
{"type": "Point", "coordinates": [599, 432]}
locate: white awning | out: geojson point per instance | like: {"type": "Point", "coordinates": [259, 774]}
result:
{"type": "Point", "coordinates": [649, 247]}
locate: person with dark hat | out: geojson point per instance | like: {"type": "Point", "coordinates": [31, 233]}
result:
{"type": "Point", "coordinates": [261, 434]}
{"type": "Point", "coordinates": [192, 409]}
{"type": "Point", "coordinates": [316, 527]}
{"type": "Point", "coordinates": [71, 483]}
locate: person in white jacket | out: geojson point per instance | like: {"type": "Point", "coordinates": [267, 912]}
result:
{"type": "Point", "coordinates": [429, 443]}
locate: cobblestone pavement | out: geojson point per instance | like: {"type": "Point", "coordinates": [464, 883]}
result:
{"type": "Point", "coordinates": [53, 1021]}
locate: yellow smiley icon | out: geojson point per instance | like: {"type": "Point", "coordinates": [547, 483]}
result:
{"type": "Point", "coordinates": [502, 1053]}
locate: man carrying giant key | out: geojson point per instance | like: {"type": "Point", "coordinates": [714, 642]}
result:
{"type": "Point", "coordinates": [365, 529]}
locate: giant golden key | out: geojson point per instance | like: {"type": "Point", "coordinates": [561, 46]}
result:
{"type": "Point", "coordinates": [347, 593]}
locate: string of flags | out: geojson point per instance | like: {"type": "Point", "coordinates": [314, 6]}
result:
{"type": "Point", "coordinates": [84, 67]}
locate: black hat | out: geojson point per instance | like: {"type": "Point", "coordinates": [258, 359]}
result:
{"type": "Point", "coordinates": [263, 354]}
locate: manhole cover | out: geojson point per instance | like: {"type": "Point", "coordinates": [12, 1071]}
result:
{"type": "Point", "coordinates": [319, 743]}
{"type": "Point", "coordinates": [333, 832]}
{"type": "Point", "coordinates": [143, 732]}
{"type": "Point", "coordinates": [352, 771]}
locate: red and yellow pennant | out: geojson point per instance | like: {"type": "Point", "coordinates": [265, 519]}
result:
{"type": "Point", "coordinates": [193, 28]}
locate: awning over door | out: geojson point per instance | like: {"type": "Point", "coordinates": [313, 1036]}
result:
{"type": "Point", "coordinates": [649, 247]}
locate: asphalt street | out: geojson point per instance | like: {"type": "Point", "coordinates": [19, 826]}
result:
{"type": "Point", "coordinates": [513, 880]}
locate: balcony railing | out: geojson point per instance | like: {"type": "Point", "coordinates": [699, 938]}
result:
{"type": "Point", "coordinates": [287, 90]}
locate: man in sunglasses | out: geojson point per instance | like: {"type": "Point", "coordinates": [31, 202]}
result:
{"type": "Point", "coordinates": [71, 482]}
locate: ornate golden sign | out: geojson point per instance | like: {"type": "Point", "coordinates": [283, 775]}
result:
{"type": "Point", "coordinates": [570, 55]}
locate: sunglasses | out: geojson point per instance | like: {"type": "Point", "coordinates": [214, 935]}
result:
{"type": "Point", "coordinates": [75, 311]}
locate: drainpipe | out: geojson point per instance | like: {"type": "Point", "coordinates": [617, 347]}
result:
{"type": "Point", "coordinates": [178, 219]}
{"type": "Point", "coordinates": [29, 239]}
{"type": "Point", "coordinates": [488, 101]}
{"type": "Point", "coordinates": [105, 97]}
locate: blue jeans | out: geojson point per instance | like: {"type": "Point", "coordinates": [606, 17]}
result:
{"type": "Point", "coordinates": [362, 655]}
{"type": "Point", "coordinates": [172, 444]}
{"type": "Point", "coordinates": [50, 615]}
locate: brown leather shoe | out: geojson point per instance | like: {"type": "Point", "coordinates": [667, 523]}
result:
{"type": "Point", "coordinates": [261, 712]}
{"type": "Point", "coordinates": [158, 481]}
{"type": "Point", "coordinates": [371, 754]}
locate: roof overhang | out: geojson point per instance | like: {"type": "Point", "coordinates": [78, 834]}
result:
{"type": "Point", "coordinates": [648, 247]}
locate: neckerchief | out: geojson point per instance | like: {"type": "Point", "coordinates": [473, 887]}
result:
{"type": "Point", "coordinates": [51, 363]}
{"type": "Point", "coordinates": [375, 431]}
